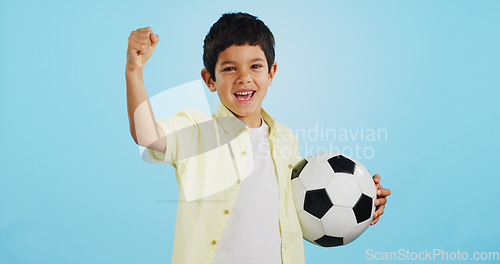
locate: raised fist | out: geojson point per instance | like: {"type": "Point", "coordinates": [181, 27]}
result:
{"type": "Point", "coordinates": [141, 45]}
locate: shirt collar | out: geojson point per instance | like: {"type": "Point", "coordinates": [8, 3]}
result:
{"type": "Point", "coordinates": [231, 124]}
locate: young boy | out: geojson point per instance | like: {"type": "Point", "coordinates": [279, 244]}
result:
{"type": "Point", "coordinates": [233, 167]}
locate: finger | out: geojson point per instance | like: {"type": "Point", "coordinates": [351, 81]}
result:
{"type": "Point", "coordinates": [376, 178]}
{"type": "Point", "coordinates": [154, 39]}
{"type": "Point", "coordinates": [380, 201]}
{"type": "Point", "coordinates": [143, 35]}
{"type": "Point", "coordinates": [379, 212]}
{"type": "Point", "coordinates": [142, 38]}
{"type": "Point", "coordinates": [145, 29]}
{"type": "Point", "coordinates": [383, 192]}
{"type": "Point", "coordinates": [379, 189]}
{"type": "Point", "coordinates": [374, 221]}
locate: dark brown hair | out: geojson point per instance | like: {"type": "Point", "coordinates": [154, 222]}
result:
{"type": "Point", "coordinates": [236, 29]}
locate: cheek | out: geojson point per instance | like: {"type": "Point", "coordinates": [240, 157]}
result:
{"type": "Point", "coordinates": [223, 89]}
{"type": "Point", "coordinates": [259, 76]}
{"type": "Point", "coordinates": [264, 92]}
{"type": "Point", "coordinates": [223, 81]}
{"type": "Point", "coordinates": [263, 80]}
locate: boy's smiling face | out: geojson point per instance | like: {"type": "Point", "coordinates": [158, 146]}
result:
{"type": "Point", "coordinates": [242, 77]}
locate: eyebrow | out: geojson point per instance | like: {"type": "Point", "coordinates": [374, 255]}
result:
{"type": "Point", "coordinates": [232, 62]}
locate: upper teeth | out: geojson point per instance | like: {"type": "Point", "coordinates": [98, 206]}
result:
{"type": "Point", "coordinates": [244, 93]}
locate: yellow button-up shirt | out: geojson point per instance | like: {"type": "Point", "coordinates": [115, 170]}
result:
{"type": "Point", "coordinates": [210, 154]}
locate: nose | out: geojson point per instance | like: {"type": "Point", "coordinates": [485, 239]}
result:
{"type": "Point", "coordinates": [245, 77]}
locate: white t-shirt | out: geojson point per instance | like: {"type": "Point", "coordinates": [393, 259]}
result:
{"type": "Point", "coordinates": [252, 234]}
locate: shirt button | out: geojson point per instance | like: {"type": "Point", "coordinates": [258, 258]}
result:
{"type": "Point", "coordinates": [290, 166]}
{"type": "Point", "coordinates": [214, 243]}
{"type": "Point", "coordinates": [226, 212]}
{"type": "Point", "coordinates": [243, 153]}
{"type": "Point", "coordinates": [237, 181]}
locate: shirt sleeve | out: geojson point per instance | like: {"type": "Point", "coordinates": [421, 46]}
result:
{"type": "Point", "coordinates": [180, 132]}
{"type": "Point", "coordinates": [169, 133]}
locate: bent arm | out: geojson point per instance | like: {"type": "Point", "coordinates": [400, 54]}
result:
{"type": "Point", "coordinates": [145, 132]}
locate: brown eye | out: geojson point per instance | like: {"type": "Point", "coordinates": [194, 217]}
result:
{"type": "Point", "coordinates": [229, 69]}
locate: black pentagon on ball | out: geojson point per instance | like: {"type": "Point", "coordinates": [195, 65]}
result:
{"type": "Point", "coordinates": [298, 168]}
{"type": "Point", "coordinates": [317, 202]}
{"type": "Point", "coordinates": [329, 241]}
{"type": "Point", "coordinates": [363, 208]}
{"type": "Point", "coordinates": [342, 164]}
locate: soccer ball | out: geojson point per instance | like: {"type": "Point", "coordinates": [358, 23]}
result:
{"type": "Point", "coordinates": [335, 198]}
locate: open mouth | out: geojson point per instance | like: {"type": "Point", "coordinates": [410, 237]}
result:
{"type": "Point", "coordinates": [244, 96]}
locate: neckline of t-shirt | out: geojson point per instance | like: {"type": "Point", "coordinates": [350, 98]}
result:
{"type": "Point", "coordinates": [262, 128]}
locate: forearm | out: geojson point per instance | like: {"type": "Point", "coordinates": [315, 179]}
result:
{"type": "Point", "coordinates": [143, 127]}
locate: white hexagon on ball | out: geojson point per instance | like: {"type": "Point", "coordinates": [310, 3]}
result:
{"type": "Point", "coordinates": [311, 226]}
{"type": "Point", "coordinates": [316, 174]}
{"type": "Point", "coordinates": [338, 221]}
{"type": "Point", "coordinates": [343, 190]}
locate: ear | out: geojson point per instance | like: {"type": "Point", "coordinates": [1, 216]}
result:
{"type": "Point", "coordinates": [272, 72]}
{"type": "Point", "coordinates": [208, 79]}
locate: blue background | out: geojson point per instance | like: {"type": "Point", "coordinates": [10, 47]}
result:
{"type": "Point", "coordinates": [73, 188]}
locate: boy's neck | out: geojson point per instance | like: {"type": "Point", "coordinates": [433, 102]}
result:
{"type": "Point", "coordinates": [252, 122]}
